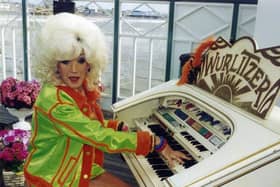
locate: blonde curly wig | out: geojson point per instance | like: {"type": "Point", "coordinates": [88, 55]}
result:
{"type": "Point", "coordinates": [65, 36]}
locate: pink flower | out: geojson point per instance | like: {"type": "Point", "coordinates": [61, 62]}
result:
{"type": "Point", "coordinates": [8, 154]}
{"type": "Point", "coordinates": [20, 133]}
{"type": "Point", "coordinates": [11, 95]}
{"type": "Point", "coordinates": [13, 148]}
{"type": "Point", "coordinates": [19, 94]}
{"type": "Point", "coordinates": [9, 139]}
{"type": "Point", "coordinates": [17, 146]}
{"type": "Point", "coordinates": [3, 132]}
{"type": "Point", "coordinates": [21, 155]}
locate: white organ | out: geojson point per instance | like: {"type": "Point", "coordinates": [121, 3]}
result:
{"type": "Point", "coordinates": [228, 146]}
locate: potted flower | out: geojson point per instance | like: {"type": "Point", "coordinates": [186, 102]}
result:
{"type": "Point", "coordinates": [19, 94]}
{"type": "Point", "coordinates": [18, 97]}
{"type": "Point", "coordinates": [13, 152]}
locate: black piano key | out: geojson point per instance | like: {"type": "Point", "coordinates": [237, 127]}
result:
{"type": "Point", "coordinates": [164, 173]}
{"type": "Point", "coordinates": [158, 133]}
{"type": "Point", "coordinates": [189, 163]}
{"type": "Point", "coordinates": [201, 148]}
{"type": "Point", "coordinates": [154, 161]}
{"type": "Point", "coordinates": [170, 139]}
{"type": "Point", "coordinates": [156, 127]}
{"type": "Point", "coordinates": [160, 167]}
{"type": "Point", "coordinates": [185, 133]}
{"type": "Point", "coordinates": [176, 147]}
{"type": "Point", "coordinates": [189, 137]}
{"type": "Point", "coordinates": [152, 155]}
{"type": "Point", "coordinates": [186, 153]}
{"type": "Point", "coordinates": [195, 142]}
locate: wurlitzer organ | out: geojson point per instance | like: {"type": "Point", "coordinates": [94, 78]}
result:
{"type": "Point", "coordinates": [226, 122]}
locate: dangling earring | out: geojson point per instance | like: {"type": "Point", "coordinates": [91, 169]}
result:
{"type": "Point", "coordinates": [88, 66]}
{"type": "Point", "coordinates": [57, 73]}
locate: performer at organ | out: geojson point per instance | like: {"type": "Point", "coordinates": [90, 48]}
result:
{"type": "Point", "coordinates": [69, 134]}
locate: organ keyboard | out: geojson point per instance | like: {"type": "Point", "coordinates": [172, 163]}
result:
{"type": "Point", "coordinates": [223, 144]}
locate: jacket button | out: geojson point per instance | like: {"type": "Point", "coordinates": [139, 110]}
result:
{"type": "Point", "coordinates": [85, 176]}
{"type": "Point", "coordinates": [88, 153]}
{"type": "Point", "coordinates": [85, 109]}
{"type": "Point", "coordinates": [91, 115]}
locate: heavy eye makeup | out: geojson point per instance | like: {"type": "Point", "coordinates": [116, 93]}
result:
{"type": "Point", "coordinates": [64, 62]}
{"type": "Point", "coordinates": [81, 59]}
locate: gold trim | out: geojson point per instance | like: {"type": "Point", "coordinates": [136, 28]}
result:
{"type": "Point", "coordinates": [250, 170]}
{"type": "Point", "coordinates": [236, 162]}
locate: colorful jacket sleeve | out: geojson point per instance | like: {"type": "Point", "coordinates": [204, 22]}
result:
{"type": "Point", "coordinates": [70, 121]}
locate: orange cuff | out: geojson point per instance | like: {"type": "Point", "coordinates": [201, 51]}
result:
{"type": "Point", "coordinates": [113, 124]}
{"type": "Point", "coordinates": [143, 143]}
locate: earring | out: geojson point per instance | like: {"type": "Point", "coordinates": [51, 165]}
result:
{"type": "Point", "coordinates": [88, 66]}
{"type": "Point", "coordinates": [57, 69]}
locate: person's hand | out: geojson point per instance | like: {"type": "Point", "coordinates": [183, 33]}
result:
{"type": "Point", "coordinates": [123, 126]}
{"type": "Point", "coordinates": [173, 157]}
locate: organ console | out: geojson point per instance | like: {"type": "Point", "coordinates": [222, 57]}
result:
{"type": "Point", "coordinates": [226, 145]}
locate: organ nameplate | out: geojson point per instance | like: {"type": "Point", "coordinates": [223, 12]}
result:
{"type": "Point", "coordinates": [242, 74]}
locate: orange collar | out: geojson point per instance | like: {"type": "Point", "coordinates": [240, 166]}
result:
{"type": "Point", "coordinates": [89, 99]}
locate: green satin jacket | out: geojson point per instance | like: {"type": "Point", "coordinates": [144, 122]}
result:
{"type": "Point", "coordinates": [67, 143]}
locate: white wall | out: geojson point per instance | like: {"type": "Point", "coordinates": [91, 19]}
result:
{"type": "Point", "coordinates": [267, 28]}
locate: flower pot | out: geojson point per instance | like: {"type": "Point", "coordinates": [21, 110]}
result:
{"type": "Point", "coordinates": [12, 179]}
{"type": "Point", "coordinates": [21, 114]}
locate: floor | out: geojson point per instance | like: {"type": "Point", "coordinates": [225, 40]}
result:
{"type": "Point", "coordinates": [115, 164]}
